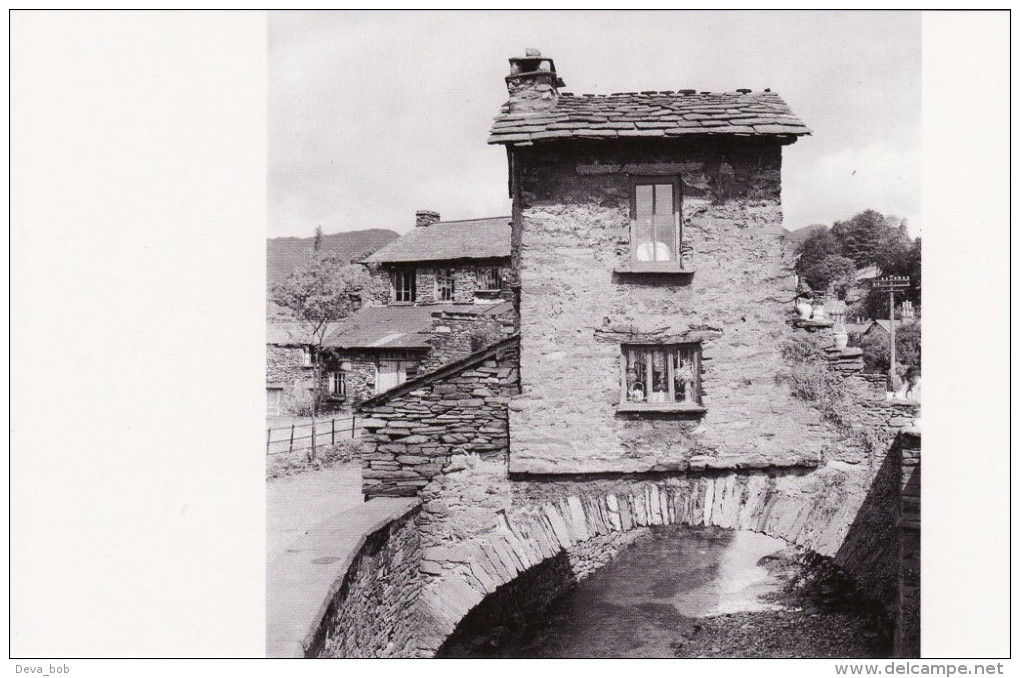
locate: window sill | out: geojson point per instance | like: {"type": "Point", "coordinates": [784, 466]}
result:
{"type": "Point", "coordinates": [656, 267]}
{"type": "Point", "coordinates": [679, 408]}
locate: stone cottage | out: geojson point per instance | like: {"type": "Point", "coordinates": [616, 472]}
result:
{"type": "Point", "coordinates": [447, 262]}
{"type": "Point", "coordinates": [652, 280]}
{"type": "Point", "coordinates": [448, 297]}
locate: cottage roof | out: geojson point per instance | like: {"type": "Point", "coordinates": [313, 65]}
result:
{"type": "Point", "coordinates": [384, 327]}
{"type": "Point", "coordinates": [449, 240]}
{"type": "Point", "coordinates": [294, 332]}
{"type": "Point", "coordinates": [884, 324]}
{"type": "Point", "coordinates": [652, 114]}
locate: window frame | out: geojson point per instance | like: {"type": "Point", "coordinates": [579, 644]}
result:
{"type": "Point", "coordinates": [402, 364]}
{"type": "Point", "coordinates": [653, 180]}
{"type": "Point", "coordinates": [335, 377]}
{"type": "Point", "coordinates": [408, 277]}
{"type": "Point", "coordinates": [449, 275]}
{"type": "Point", "coordinates": [489, 274]}
{"type": "Point", "coordinates": [693, 404]}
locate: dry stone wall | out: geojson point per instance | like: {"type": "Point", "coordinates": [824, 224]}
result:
{"type": "Point", "coordinates": [411, 435]}
{"type": "Point", "coordinates": [373, 613]}
{"type": "Point", "coordinates": [577, 308]}
{"type": "Point", "coordinates": [907, 632]}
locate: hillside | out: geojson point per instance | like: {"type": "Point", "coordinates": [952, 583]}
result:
{"type": "Point", "coordinates": [284, 255]}
{"type": "Point", "coordinates": [796, 237]}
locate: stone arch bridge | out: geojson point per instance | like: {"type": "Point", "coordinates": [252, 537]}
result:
{"type": "Point", "coordinates": [453, 527]}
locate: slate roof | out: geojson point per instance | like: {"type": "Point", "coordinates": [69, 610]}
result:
{"type": "Point", "coordinates": [293, 333]}
{"type": "Point", "coordinates": [390, 327]}
{"type": "Point", "coordinates": [651, 114]}
{"type": "Point", "coordinates": [449, 240]}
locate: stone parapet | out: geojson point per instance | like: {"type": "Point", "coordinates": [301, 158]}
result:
{"type": "Point", "coordinates": [348, 587]}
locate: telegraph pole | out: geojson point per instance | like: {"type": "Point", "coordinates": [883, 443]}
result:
{"type": "Point", "coordinates": [892, 285]}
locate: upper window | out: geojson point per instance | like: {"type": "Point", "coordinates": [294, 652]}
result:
{"type": "Point", "coordinates": [404, 285]}
{"type": "Point", "coordinates": [444, 284]}
{"type": "Point", "coordinates": [307, 356]}
{"type": "Point", "coordinates": [655, 219]}
{"type": "Point", "coordinates": [660, 375]}
{"type": "Point", "coordinates": [489, 279]}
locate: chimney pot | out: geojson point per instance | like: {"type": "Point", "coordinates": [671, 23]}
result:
{"type": "Point", "coordinates": [425, 218]}
{"type": "Point", "coordinates": [532, 83]}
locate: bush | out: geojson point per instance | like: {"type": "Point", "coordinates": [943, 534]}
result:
{"type": "Point", "coordinates": [298, 403]}
{"type": "Point", "coordinates": [809, 378]}
{"type": "Point", "coordinates": [292, 463]}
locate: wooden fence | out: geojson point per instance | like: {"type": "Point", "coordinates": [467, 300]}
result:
{"type": "Point", "coordinates": [311, 435]}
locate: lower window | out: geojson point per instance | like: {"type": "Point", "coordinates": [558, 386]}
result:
{"type": "Point", "coordinates": [274, 400]}
{"type": "Point", "coordinates": [444, 284]}
{"type": "Point", "coordinates": [489, 279]}
{"type": "Point", "coordinates": [393, 373]}
{"type": "Point", "coordinates": [662, 374]}
{"type": "Point", "coordinates": [337, 384]}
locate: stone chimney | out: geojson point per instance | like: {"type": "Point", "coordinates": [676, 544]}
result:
{"type": "Point", "coordinates": [425, 218]}
{"type": "Point", "coordinates": [532, 83]}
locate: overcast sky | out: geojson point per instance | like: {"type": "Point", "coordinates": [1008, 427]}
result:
{"type": "Point", "coordinates": [373, 115]}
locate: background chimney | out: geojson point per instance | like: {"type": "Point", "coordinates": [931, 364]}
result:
{"type": "Point", "coordinates": [425, 218]}
{"type": "Point", "coordinates": [532, 83]}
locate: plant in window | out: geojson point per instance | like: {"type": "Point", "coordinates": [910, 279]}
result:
{"type": "Point", "coordinates": [658, 375]}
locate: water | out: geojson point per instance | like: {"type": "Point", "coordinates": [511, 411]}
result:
{"type": "Point", "coordinates": [681, 592]}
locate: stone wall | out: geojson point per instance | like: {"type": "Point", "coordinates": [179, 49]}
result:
{"type": "Point", "coordinates": [578, 305]}
{"type": "Point", "coordinates": [907, 631]}
{"type": "Point", "coordinates": [411, 434]}
{"type": "Point", "coordinates": [285, 370]}
{"type": "Point", "coordinates": [373, 613]}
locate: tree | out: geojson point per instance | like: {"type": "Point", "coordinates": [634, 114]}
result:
{"type": "Point", "coordinates": [831, 273]}
{"type": "Point", "coordinates": [908, 263]}
{"type": "Point", "coordinates": [870, 238]}
{"type": "Point", "coordinates": [908, 349]}
{"type": "Point", "coordinates": [816, 247]}
{"type": "Point", "coordinates": [322, 291]}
